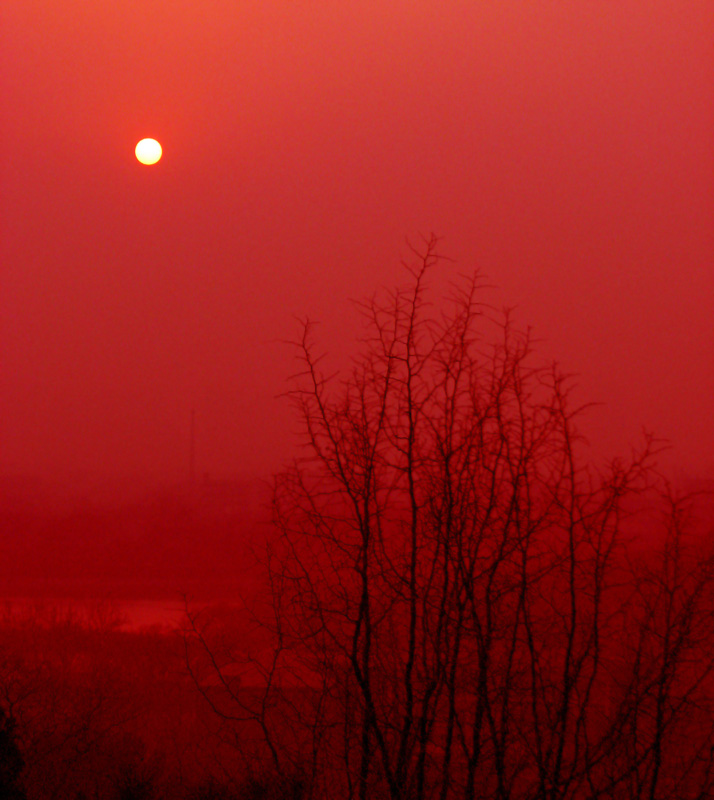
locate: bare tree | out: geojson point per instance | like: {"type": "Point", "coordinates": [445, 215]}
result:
{"type": "Point", "coordinates": [447, 576]}
{"type": "Point", "coordinates": [71, 703]}
{"type": "Point", "coordinates": [664, 738]}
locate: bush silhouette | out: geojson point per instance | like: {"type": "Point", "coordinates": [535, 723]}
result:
{"type": "Point", "coordinates": [11, 761]}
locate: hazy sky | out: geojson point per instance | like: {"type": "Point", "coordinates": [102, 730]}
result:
{"type": "Point", "coordinates": [564, 148]}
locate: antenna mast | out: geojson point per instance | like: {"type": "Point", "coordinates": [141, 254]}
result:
{"type": "Point", "coordinates": [192, 450]}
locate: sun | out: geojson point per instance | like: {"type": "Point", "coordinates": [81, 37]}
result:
{"type": "Point", "coordinates": [148, 151]}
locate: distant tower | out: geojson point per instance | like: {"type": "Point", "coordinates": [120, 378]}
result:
{"type": "Point", "coordinates": [192, 450]}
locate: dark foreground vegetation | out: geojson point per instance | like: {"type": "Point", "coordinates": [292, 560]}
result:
{"type": "Point", "coordinates": [455, 605]}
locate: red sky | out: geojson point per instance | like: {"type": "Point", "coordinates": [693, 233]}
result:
{"type": "Point", "coordinates": [565, 148]}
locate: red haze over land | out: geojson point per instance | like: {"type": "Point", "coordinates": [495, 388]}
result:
{"type": "Point", "coordinates": [444, 607]}
{"type": "Point", "coordinates": [566, 149]}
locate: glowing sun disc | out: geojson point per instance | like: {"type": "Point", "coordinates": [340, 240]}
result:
{"type": "Point", "coordinates": [148, 151]}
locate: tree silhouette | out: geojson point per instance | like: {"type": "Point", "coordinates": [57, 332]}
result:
{"type": "Point", "coordinates": [455, 609]}
{"type": "Point", "coordinates": [11, 761]}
